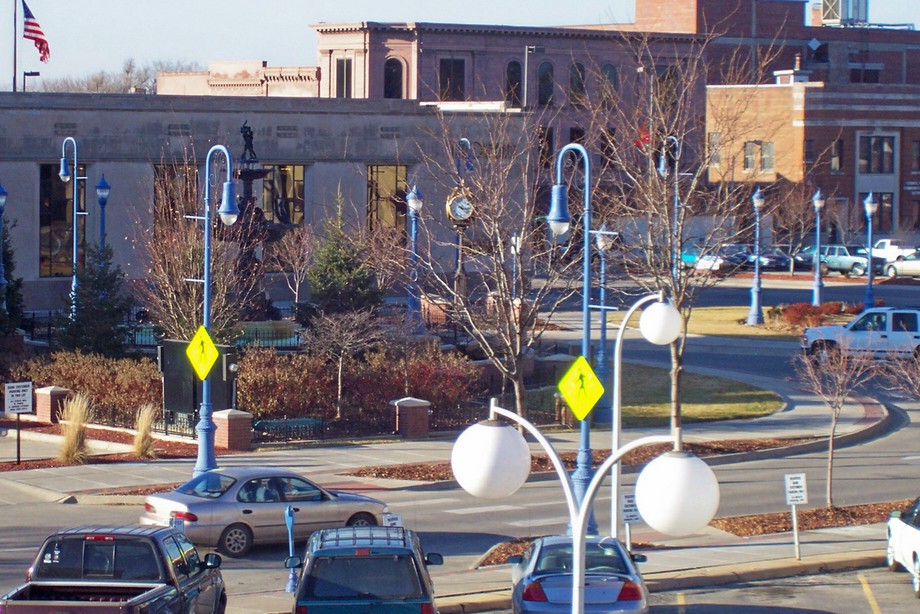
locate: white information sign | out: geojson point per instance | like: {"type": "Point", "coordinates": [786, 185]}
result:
{"type": "Point", "coordinates": [628, 508]}
{"type": "Point", "coordinates": [18, 398]}
{"type": "Point", "coordinates": [796, 489]}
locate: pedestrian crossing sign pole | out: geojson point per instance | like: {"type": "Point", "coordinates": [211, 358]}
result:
{"type": "Point", "coordinates": [581, 388]}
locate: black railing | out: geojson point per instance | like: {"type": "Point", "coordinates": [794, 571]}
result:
{"type": "Point", "coordinates": [177, 423]}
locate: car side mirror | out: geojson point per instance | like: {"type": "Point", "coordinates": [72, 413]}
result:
{"type": "Point", "coordinates": [638, 558]}
{"type": "Point", "coordinates": [293, 562]}
{"type": "Point", "coordinates": [433, 558]}
{"type": "Point", "coordinates": [517, 559]}
{"type": "Point", "coordinates": [212, 560]}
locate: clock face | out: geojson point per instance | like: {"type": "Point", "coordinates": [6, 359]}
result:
{"type": "Point", "coordinates": [460, 208]}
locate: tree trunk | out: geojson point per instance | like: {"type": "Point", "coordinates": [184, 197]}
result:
{"type": "Point", "coordinates": [519, 393]}
{"type": "Point", "coordinates": [338, 392]}
{"type": "Point", "coordinates": [676, 418]}
{"type": "Point", "coordinates": [830, 458]}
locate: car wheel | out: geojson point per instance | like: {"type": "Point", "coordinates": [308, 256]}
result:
{"type": "Point", "coordinates": [221, 603]}
{"type": "Point", "coordinates": [890, 560]}
{"type": "Point", "coordinates": [916, 576]}
{"type": "Point", "coordinates": [892, 271]}
{"type": "Point", "coordinates": [824, 269]}
{"type": "Point", "coordinates": [858, 269]}
{"type": "Point", "coordinates": [361, 519]}
{"type": "Point", "coordinates": [236, 540]}
{"type": "Point", "coordinates": [820, 350]}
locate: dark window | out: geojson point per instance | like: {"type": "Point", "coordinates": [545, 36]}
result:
{"type": "Point", "coordinates": [546, 84]}
{"type": "Point", "coordinates": [386, 196]}
{"type": "Point", "coordinates": [282, 194]}
{"type": "Point", "coordinates": [392, 79]}
{"type": "Point", "coordinates": [864, 75]}
{"type": "Point", "coordinates": [876, 155]}
{"type": "Point", "coordinates": [55, 233]}
{"type": "Point", "coordinates": [577, 84]}
{"type": "Point", "coordinates": [836, 161]}
{"type": "Point", "coordinates": [343, 78]}
{"type": "Point", "coordinates": [452, 79]}
{"type": "Point", "coordinates": [610, 85]}
{"type": "Point", "coordinates": [513, 87]}
{"type": "Point", "coordinates": [577, 135]}
{"type": "Point", "coordinates": [609, 147]}
{"type": "Point", "coordinates": [884, 216]}
{"type": "Point", "coordinates": [808, 153]}
{"type": "Point", "coordinates": [915, 157]}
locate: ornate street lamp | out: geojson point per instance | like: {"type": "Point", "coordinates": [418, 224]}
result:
{"type": "Point", "coordinates": [3, 282]}
{"type": "Point", "coordinates": [755, 315]}
{"type": "Point", "coordinates": [871, 205]}
{"type": "Point", "coordinates": [65, 176]}
{"type": "Point", "coordinates": [675, 216]}
{"type": "Point", "coordinates": [818, 201]}
{"type": "Point", "coordinates": [414, 203]}
{"type": "Point", "coordinates": [102, 195]}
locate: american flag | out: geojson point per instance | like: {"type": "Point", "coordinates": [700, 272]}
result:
{"type": "Point", "coordinates": [32, 31]}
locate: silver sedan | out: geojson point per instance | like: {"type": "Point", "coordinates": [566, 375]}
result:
{"type": "Point", "coordinates": [908, 267]}
{"type": "Point", "coordinates": [233, 507]}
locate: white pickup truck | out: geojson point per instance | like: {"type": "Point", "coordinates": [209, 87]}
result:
{"type": "Point", "coordinates": [882, 333]}
{"type": "Point", "coordinates": [903, 550]}
{"type": "Point", "coordinates": [891, 250]}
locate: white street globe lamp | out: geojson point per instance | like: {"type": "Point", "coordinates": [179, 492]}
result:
{"type": "Point", "coordinates": [490, 460]}
{"type": "Point", "coordinates": [677, 494]}
{"type": "Point", "coordinates": [660, 323]}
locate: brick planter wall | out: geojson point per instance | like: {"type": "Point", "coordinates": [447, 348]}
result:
{"type": "Point", "coordinates": [49, 402]}
{"type": "Point", "coordinates": [234, 429]}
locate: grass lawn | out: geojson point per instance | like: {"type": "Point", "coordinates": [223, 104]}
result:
{"type": "Point", "coordinates": [723, 321]}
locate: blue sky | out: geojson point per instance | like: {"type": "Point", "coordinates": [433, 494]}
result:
{"type": "Point", "coordinates": [94, 35]}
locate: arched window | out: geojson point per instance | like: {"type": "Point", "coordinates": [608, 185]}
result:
{"type": "Point", "coordinates": [610, 85]}
{"type": "Point", "coordinates": [577, 84]}
{"type": "Point", "coordinates": [393, 79]}
{"type": "Point", "coordinates": [546, 84]}
{"type": "Point", "coordinates": [513, 89]}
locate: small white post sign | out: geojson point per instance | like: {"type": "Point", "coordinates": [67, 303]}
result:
{"type": "Point", "coordinates": [629, 512]}
{"type": "Point", "coordinates": [17, 399]}
{"type": "Point", "coordinates": [796, 494]}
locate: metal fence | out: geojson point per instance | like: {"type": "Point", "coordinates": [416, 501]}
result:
{"type": "Point", "coordinates": [177, 423]}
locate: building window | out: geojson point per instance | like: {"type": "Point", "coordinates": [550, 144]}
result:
{"type": "Point", "coordinates": [766, 157]}
{"type": "Point", "coordinates": [876, 155]}
{"type": "Point", "coordinates": [915, 157]}
{"type": "Point", "coordinates": [282, 194]}
{"type": "Point", "coordinates": [55, 234]}
{"type": "Point", "coordinates": [864, 75]}
{"type": "Point", "coordinates": [610, 85]}
{"type": "Point", "coordinates": [577, 84]}
{"type": "Point", "coordinates": [513, 88]}
{"type": "Point", "coordinates": [343, 78]}
{"type": "Point", "coordinates": [547, 147]}
{"type": "Point", "coordinates": [609, 147]}
{"type": "Point", "coordinates": [451, 79]}
{"type": "Point", "coordinates": [884, 218]}
{"type": "Point", "coordinates": [386, 196]}
{"type": "Point", "coordinates": [393, 79]}
{"type": "Point", "coordinates": [714, 148]}
{"type": "Point", "coordinates": [808, 151]}
{"type": "Point", "coordinates": [577, 135]}
{"type": "Point", "coordinates": [750, 156]}
{"type": "Point", "coordinates": [836, 161]}
{"type": "Point", "coordinates": [546, 84]}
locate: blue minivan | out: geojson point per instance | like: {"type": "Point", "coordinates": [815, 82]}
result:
{"type": "Point", "coordinates": [363, 570]}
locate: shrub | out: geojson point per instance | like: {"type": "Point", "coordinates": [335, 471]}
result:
{"type": "Point", "coordinates": [802, 315]}
{"type": "Point", "coordinates": [76, 414]}
{"type": "Point", "coordinates": [272, 385]}
{"type": "Point", "coordinates": [143, 437]}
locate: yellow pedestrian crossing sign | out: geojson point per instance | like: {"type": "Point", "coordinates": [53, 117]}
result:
{"type": "Point", "coordinates": [202, 353]}
{"type": "Point", "coordinates": [581, 388]}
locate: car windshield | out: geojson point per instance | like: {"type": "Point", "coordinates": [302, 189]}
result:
{"type": "Point", "coordinates": [598, 557]}
{"type": "Point", "coordinates": [207, 485]}
{"type": "Point", "coordinates": [857, 249]}
{"type": "Point", "coordinates": [391, 576]}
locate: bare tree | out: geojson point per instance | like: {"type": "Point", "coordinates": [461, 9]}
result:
{"type": "Point", "coordinates": [834, 375]}
{"type": "Point", "coordinates": [174, 252]}
{"type": "Point", "coordinates": [902, 375]}
{"type": "Point", "coordinates": [131, 79]}
{"type": "Point", "coordinates": [292, 255]}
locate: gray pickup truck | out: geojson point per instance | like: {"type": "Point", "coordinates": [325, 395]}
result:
{"type": "Point", "coordinates": [849, 260]}
{"type": "Point", "coordinates": [127, 569]}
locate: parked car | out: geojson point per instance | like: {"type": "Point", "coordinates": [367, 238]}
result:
{"type": "Point", "coordinates": [849, 260]}
{"type": "Point", "coordinates": [365, 569]}
{"type": "Point", "coordinates": [124, 569]}
{"type": "Point", "coordinates": [541, 578]}
{"type": "Point", "coordinates": [892, 250]}
{"type": "Point", "coordinates": [804, 259]}
{"type": "Point", "coordinates": [903, 548]}
{"type": "Point", "coordinates": [908, 266]}
{"type": "Point", "coordinates": [771, 258]}
{"type": "Point", "coordinates": [727, 258]}
{"type": "Point", "coordinates": [881, 332]}
{"type": "Point", "coordinates": [234, 507]}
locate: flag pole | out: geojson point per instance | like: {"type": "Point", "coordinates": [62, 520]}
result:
{"type": "Point", "coordinates": [15, 44]}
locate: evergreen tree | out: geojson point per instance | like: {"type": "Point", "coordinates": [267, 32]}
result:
{"type": "Point", "coordinates": [340, 280]}
{"type": "Point", "coordinates": [11, 315]}
{"type": "Point", "coordinates": [102, 324]}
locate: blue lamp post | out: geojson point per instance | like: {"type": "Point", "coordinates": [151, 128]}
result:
{"type": "Point", "coordinates": [414, 203]}
{"type": "Point", "coordinates": [675, 219]}
{"type": "Point", "coordinates": [228, 213]}
{"type": "Point", "coordinates": [871, 205]}
{"type": "Point", "coordinates": [818, 201]}
{"type": "Point", "coordinates": [755, 315]}
{"type": "Point", "coordinates": [559, 221]}
{"type": "Point", "coordinates": [65, 175]}
{"type": "Point", "coordinates": [603, 242]}
{"type": "Point", "coordinates": [102, 195]}
{"type": "Point", "coordinates": [2, 266]}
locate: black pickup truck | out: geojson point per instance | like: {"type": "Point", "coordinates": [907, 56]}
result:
{"type": "Point", "coordinates": [127, 569]}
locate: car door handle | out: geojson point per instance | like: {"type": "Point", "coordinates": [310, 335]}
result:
{"type": "Point", "coordinates": [247, 511]}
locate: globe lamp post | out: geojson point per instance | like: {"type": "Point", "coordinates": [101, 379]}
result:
{"type": "Point", "coordinates": [818, 202]}
{"type": "Point", "coordinates": [871, 205]}
{"type": "Point", "coordinates": [755, 315]}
